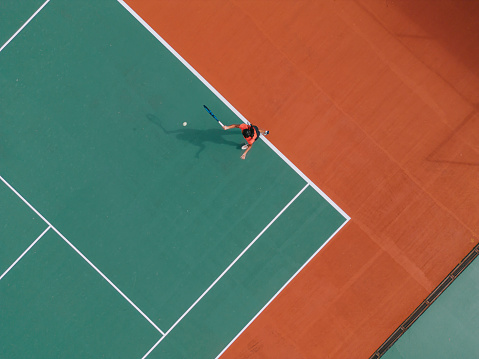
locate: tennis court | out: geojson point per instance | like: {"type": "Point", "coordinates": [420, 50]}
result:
{"type": "Point", "coordinates": [125, 234]}
{"type": "Point", "coordinates": [384, 101]}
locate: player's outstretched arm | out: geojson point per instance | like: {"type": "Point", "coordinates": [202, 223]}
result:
{"type": "Point", "coordinates": [243, 156]}
{"type": "Point", "coordinates": [231, 126]}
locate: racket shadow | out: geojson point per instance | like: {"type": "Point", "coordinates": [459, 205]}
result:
{"type": "Point", "coordinates": [196, 137]}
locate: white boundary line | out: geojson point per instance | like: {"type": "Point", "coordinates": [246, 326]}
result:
{"type": "Point", "coordinates": [81, 254]}
{"type": "Point", "coordinates": [226, 270]}
{"type": "Point", "coordinates": [212, 89]}
{"type": "Point", "coordinates": [25, 24]}
{"type": "Point", "coordinates": [284, 286]}
{"type": "Point", "coordinates": [25, 252]}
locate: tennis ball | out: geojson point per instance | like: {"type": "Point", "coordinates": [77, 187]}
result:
{"type": "Point", "coordinates": [184, 123]}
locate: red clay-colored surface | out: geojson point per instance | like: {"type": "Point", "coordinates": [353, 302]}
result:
{"type": "Point", "coordinates": [382, 99]}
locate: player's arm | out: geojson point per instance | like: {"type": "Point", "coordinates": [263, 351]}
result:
{"type": "Point", "coordinates": [243, 156]}
{"type": "Point", "coordinates": [231, 126]}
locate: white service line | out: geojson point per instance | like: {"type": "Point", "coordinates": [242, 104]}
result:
{"type": "Point", "coordinates": [25, 24]}
{"type": "Point", "coordinates": [25, 252]}
{"type": "Point", "coordinates": [235, 111]}
{"type": "Point", "coordinates": [225, 271]}
{"type": "Point", "coordinates": [82, 255]}
{"type": "Point", "coordinates": [279, 291]}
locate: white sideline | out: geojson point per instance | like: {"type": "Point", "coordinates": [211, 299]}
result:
{"type": "Point", "coordinates": [81, 254]}
{"type": "Point", "coordinates": [25, 252]}
{"type": "Point", "coordinates": [226, 270]}
{"type": "Point", "coordinates": [25, 24]}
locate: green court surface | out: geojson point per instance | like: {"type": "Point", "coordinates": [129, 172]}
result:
{"type": "Point", "coordinates": [449, 328]}
{"type": "Point", "coordinates": [194, 237]}
{"type": "Point", "coordinates": [14, 238]}
{"type": "Point", "coordinates": [54, 305]}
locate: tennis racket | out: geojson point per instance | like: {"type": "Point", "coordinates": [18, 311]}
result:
{"type": "Point", "coordinates": [212, 114]}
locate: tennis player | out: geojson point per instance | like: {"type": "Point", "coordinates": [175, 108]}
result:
{"type": "Point", "coordinates": [250, 133]}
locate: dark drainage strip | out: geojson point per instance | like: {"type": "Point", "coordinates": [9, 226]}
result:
{"type": "Point", "coordinates": [426, 303]}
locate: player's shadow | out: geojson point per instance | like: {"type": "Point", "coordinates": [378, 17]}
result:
{"type": "Point", "coordinates": [198, 138]}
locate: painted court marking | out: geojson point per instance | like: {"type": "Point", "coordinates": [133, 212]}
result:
{"type": "Point", "coordinates": [236, 112]}
{"type": "Point", "coordinates": [23, 26]}
{"type": "Point", "coordinates": [279, 291]}
{"type": "Point", "coordinates": [226, 270]}
{"type": "Point", "coordinates": [25, 252]}
{"type": "Point", "coordinates": [80, 253]}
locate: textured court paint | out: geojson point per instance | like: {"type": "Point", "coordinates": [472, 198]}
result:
{"type": "Point", "coordinates": [13, 14]}
{"type": "Point", "coordinates": [19, 226]}
{"type": "Point", "coordinates": [383, 98]}
{"type": "Point", "coordinates": [277, 255]}
{"type": "Point", "coordinates": [449, 328]}
{"type": "Point", "coordinates": [65, 310]}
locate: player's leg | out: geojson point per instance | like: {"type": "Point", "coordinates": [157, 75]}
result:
{"type": "Point", "coordinates": [263, 132]}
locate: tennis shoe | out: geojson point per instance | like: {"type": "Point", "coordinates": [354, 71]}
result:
{"type": "Point", "coordinates": [266, 132]}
